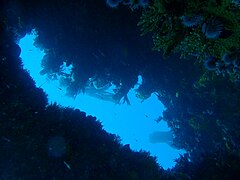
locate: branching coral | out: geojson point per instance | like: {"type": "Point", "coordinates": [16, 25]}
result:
{"type": "Point", "coordinates": [166, 27]}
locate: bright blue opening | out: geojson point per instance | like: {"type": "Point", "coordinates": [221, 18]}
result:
{"type": "Point", "coordinates": [132, 123]}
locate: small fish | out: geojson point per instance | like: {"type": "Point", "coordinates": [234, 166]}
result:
{"type": "Point", "coordinates": [6, 139]}
{"type": "Point", "coordinates": [101, 53]}
{"type": "Point", "coordinates": [95, 55]}
{"type": "Point", "coordinates": [67, 165]}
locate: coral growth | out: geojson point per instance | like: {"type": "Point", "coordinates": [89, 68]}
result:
{"type": "Point", "coordinates": [212, 28]}
{"type": "Point", "coordinates": [195, 28]}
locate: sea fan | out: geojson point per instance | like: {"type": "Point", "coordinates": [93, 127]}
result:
{"type": "Point", "coordinates": [113, 3]}
{"type": "Point", "coordinates": [191, 21]}
{"type": "Point", "coordinates": [229, 58]}
{"type": "Point", "coordinates": [210, 63]}
{"type": "Point", "coordinates": [212, 28]}
{"type": "Point", "coordinates": [135, 4]}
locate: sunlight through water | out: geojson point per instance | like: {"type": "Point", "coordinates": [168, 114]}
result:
{"type": "Point", "coordinates": [133, 123]}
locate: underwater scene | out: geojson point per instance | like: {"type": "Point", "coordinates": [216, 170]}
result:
{"type": "Point", "coordinates": [120, 89]}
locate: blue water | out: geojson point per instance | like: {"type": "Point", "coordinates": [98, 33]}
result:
{"type": "Point", "coordinates": [132, 123]}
